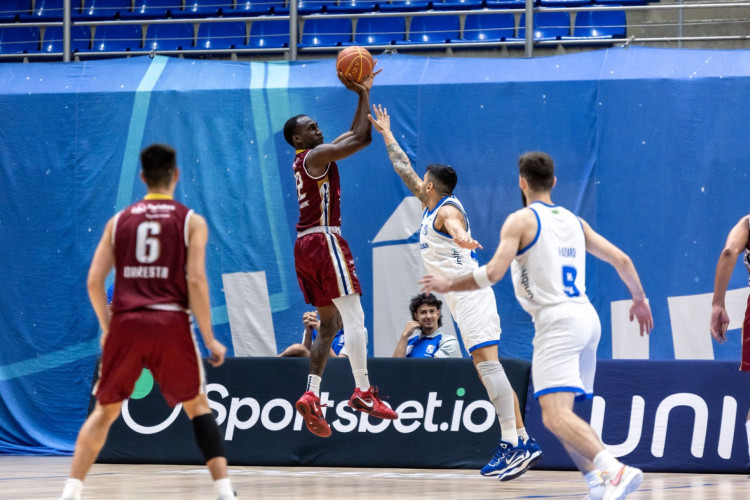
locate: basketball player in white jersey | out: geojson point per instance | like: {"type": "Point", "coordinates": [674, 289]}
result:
{"type": "Point", "coordinates": [546, 247]}
{"type": "Point", "coordinates": [447, 250]}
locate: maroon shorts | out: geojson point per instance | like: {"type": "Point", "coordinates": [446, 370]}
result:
{"type": "Point", "coordinates": [745, 352]}
{"type": "Point", "coordinates": [161, 341]}
{"type": "Point", "coordinates": [325, 268]}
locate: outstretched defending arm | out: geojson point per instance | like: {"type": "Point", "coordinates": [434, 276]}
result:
{"type": "Point", "coordinates": [601, 248]}
{"type": "Point", "coordinates": [510, 240]}
{"type": "Point", "coordinates": [737, 242]}
{"type": "Point", "coordinates": [401, 163]}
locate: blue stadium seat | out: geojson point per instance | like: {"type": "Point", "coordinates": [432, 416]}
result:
{"type": "Point", "coordinates": [174, 36]}
{"type": "Point", "coordinates": [269, 34]}
{"type": "Point", "coordinates": [621, 2]}
{"type": "Point", "coordinates": [203, 8]}
{"type": "Point", "coordinates": [48, 10]}
{"type": "Point", "coordinates": [117, 38]}
{"type": "Point", "coordinates": [379, 30]}
{"type": "Point", "coordinates": [405, 5]}
{"type": "Point", "coordinates": [254, 7]}
{"type": "Point", "coordinates": [353, 6]}
{"type": "Point", "coordinates": [433, 29]}
{"type": "Point", "coordinates": [19, 40]}
{"type": "Point", "coordinates": [305, 7]}
{"type": "Point", "coordinates": [226, 35]}
{"type": "Point", "coordinates": [507, 4]}
{"type": "Point", "coordinates": [105, 9]}
{"type": "Point", "coordinates": [11, 10]}
{"type": "Point", "coordinates": [547, 26]}
{"type": "Point", "coordinates": [488, 27]}
{"type": "Point", "coordinates": [326, 32]}
{"type": "Point", "coordinates": [599, 25]}
{"type": "Point", "coordinates": [155, 8]}
{"type": "Point", "coordinates": [80, 38]}
{"type": "Point", "coordinates": [457, 4]}
{"type": "Point", "coordinates": [565, 3]}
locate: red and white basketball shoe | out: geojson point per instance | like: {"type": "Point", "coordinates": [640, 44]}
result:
{"type": "Point", "coordinates": [310, 408]}
{"type": "Point", "coordinates": [369, 402]}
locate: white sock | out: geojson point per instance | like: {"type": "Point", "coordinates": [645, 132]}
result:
{"type": "Point", "coordinates": [223, 488]}
{"type": "Point", "coordinates": [521, 431]}
{"type": "Point", "coordinates": [355, 337]}
{"type": "Point", "coordinates": [313, 384]}
{"type": "Point", "coordinates": [72, 490]}
{"type": "Point", "coordinates": [606, 462]}
{"type": "Point", "coordinates": [593, 479]}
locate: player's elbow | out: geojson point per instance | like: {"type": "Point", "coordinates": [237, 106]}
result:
{"type": "Point", "coordinates": [195, 279]}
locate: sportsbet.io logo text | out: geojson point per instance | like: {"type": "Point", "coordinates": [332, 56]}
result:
{"type": "Point", "coordinates": [433, 414]}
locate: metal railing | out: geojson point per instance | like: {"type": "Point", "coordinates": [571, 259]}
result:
{"type": "Point", "coordinates": [292, 50]}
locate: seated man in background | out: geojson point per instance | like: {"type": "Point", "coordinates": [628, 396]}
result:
{"type": "Point", "coordinates": [312, 324]}
{"type": "Point", "coordinates": [422, 337]}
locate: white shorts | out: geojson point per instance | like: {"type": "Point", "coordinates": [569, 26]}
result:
{"type": "Point", "coordinates": [565, 343]}
{"type": "Point", "coordinates": [476, 315]}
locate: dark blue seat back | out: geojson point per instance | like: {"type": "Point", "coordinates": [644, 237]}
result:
{"type": "Point", "coordinates": [12, 9]}
{"type": "Point", "coordinates": [205, 8]}
{"type": "Point", "coordinates": [225, 35]}
{"type": "Point", "coordinates": [49, 10]}
{"type": "Point", "coordinates": [489, 27]}
{"type": "Point", "coordinates": [434, 29]}
{"type": "Point", "coordinates": [255, 7]}
{"type": "Point", "coordinates": [19, 40]}
{"type": "Point", "coordinates": [156, 8]}
{"type": "Point", "coordinates": [117, 37]}
{"type": "Point", "coordinates": [269, 34]}
{"type": "Point", "coordinates": [611, 23]}
{"type": "Point", "coordinates": [380, 30]}
{"type": "Point", "coordinates": [353, 6]}
{"type": "Point", "coordinates": [547, 25]}
{"type": "Point", "coordinates": [169, 36]}
{"type": "Point", "coordinates": [326, 32]}
{"type": "Point", "coordinates": [80, 38]}
{"type": "Point", "coordinates": [105, 9]}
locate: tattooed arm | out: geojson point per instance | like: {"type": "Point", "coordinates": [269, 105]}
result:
{"type": "Point", "coordinates": [401, 163]}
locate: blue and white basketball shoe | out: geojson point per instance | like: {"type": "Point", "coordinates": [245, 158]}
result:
{"type": "Point", "coordinates": [508, 462]}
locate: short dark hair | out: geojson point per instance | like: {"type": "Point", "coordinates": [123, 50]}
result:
{"type": "Point", "coordinates": [290, 127]}
{"type": "Point", "coordinates": [158, 163]}
{"type": "Point", "coordinates": [443, 176]}
{"type": "Point", "coordinates": [538, 169]}
{"type": "Point", "coordinates": [426, 298]}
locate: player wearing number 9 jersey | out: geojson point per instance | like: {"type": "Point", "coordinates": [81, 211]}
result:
{"type": "Point", "coordinates": [546, 244]}
{"type": "Point", "coordinates": [157, 247]}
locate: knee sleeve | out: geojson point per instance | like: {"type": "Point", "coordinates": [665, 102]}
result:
{"type": "Point", "coordinates": [208, 436]}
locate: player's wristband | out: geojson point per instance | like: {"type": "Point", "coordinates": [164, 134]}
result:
{"type": "Point", "coordinates": [481, 277]}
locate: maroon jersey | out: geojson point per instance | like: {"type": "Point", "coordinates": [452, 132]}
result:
{"type": "Point", "coordinates": [319, 197]}
{"type": "Point", "coordinates": [150, 246]}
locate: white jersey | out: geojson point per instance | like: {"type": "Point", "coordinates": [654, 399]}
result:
{"type": "Point", "coordinates": [440, 254]}
{"type": "Point", "coordinates": [552, 268]}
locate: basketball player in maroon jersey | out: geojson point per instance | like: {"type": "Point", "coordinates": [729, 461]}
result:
{"type": "Point", "coordinates": [738, 243]}
{"type": "Point", "coordinates": [324, 264]}
{"type": "Point", "coordinates": [157, 247]}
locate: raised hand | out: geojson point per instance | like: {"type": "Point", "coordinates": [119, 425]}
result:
{"type": "Point", "coordinates": [381, 122]}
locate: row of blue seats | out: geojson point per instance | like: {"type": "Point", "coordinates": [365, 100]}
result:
{"type": "Point", "coordinates": [51, 10]}
{"type": "Point", "coordinates": [591, 25]}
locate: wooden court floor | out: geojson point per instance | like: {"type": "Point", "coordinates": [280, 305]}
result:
{"type": "Point", "coordinates": [41, 478]}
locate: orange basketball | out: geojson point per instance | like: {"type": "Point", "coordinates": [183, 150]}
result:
{"type": "Point", "coordinates": [355, 62]}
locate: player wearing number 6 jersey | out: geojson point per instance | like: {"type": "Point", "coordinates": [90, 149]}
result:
{"type": "Point", "coordinates": [157, 247]}
{"type": "Point", "coordinates": [546, 244]}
